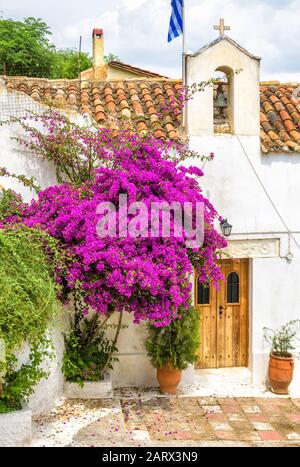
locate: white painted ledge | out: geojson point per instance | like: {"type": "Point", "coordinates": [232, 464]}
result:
{"type": "Point", "coordinates": [15, 428]}
{"type": "Point", "coordinates": [213, 376]}
{"type": "Point", "coordinates": [90, 389]}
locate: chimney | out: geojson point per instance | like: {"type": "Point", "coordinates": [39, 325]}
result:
{"type": "Point", "coordinates": [98, 48]}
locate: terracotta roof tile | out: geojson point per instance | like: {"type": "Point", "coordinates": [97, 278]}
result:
{"type": "Point", "coordinates": [139, 103]}
{"type": "Point", "coordinates": [289, 125]}
{"type": "Point", "coordinates": [273, 98]}
{"type": "Point", "coordinates": [278, 125]}
{"type": "Point", "coordinates": [263, 118]}
{"type": "Point", "coordinates": [266, 126]}
{"type": "Point", "coordinates": [279, 104]}
{"type": "Point", "coordinates": [143, 102]}
{"type": "Point", "coordinates": [295, 116]}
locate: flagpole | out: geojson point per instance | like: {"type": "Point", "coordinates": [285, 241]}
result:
{"type": "Point", "coordinates": [183, 43]}
{"type": "Point", "coordinates": [184, 113]}
{"type": "Point", "coordinates": [183, 27]}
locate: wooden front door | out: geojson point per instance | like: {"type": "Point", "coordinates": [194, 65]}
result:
{"type": "Point", "coordinates": [224, 318]}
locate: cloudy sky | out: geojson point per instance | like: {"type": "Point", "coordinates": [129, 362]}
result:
{"type": "Point", "coordinates": [136, 30]}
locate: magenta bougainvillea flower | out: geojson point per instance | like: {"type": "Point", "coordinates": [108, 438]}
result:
{"type": "Point", "coordinates": [149, 277]}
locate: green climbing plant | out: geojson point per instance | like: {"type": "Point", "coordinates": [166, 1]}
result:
{"type": "Point", "coordinates": [89, 351]}
{"type": "Point", "coordinates": [27, 305]}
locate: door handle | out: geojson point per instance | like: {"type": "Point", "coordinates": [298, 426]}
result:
{"type": "Point", "coordinates": [221, 309]}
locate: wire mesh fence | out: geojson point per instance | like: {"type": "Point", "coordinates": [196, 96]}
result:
{"type": "Point", "coordinates": [23, 70]}
{"type": "Point", "coordinates": [22, 90]}
{"type": "Point", "coordinates": [17, 104]}
{"type": "Point", "coordinates": [65, 63]}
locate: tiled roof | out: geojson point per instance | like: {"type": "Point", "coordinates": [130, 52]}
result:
{"type": "Point", "coordinates": [137, 103]}
{"type": "Point", "coordinates": [142, 103]}
{"type": "Point", "coordinates": [280, 117]}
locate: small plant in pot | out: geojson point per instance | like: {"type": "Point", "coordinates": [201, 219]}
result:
{"type": "Point", "coordinates": [281, 363]}
{"type": "Point", "coordinates": [172, 348]}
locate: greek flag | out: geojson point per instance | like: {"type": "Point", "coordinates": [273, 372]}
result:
{"type": "Point", "coordinates": [176, 20]}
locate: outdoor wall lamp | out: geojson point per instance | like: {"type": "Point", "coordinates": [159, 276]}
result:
{"type": "Point", "coordinates": [289, 257]}
{"type": "Point", "coordinates": [226, 227]}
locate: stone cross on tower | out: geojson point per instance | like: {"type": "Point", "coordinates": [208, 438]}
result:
{"type": "Point", "coordinates": [222, 28]}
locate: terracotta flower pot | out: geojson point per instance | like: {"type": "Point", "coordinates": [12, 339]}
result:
{"type": "Point", "coordinates": [168, 378]}
{"type": "Point", "coordinates": [280, 373]}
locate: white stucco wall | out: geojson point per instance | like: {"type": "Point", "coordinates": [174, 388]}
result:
{"type": "Point", "coordinates": [232, 186]}
{"type": "Point", "coordinates": [11, 157]}
{"type": "Point", "coordinates": [234, 189]}
{"type": "Point", "coordinates": [134, 368]}
{"type": "Point", "coordinates": [275, 300]}
{"type": "Point", "coordinates": [24, 163]}
{"type": "Point", "coordinates": [50, 390]}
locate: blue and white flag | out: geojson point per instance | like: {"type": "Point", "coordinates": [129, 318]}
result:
{"type": "Point", "coordinates": [176, 20]}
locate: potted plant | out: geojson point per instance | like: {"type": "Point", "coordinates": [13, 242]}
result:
{"type": "Point", "coordinates": [281, 363]}
{"type": "Point", "coordinates": [172, 348]}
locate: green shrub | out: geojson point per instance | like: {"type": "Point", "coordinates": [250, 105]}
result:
{"type": "Point", "coordinates": [11, 203]}
{"type": "Point", "coordinates": [176, 344]}
{"type": "Point", "coordinates": [20, 382]}
{"type": "Point", "coordinates": [27, 306]}
{"type": "Point", "coordinates": [28, 293]}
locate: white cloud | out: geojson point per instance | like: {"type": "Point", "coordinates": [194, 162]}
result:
{"type": "Point", "coordinates": [136, 30]}
{"type": "Point", "coordinates": [133, 4]}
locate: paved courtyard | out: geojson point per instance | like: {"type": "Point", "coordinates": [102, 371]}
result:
{"type": "Point", "coordinates": [148, 419]}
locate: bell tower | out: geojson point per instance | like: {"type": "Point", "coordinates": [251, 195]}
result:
{"type": "Point", "coordinates": [231, 105]}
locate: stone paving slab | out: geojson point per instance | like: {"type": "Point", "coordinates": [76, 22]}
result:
{"type": "Point", "coordinates": [244, 419]}
{"type": "Point", "coordinates": [80, 422]}
{"type": "Point", "coordinates": [150, 420]}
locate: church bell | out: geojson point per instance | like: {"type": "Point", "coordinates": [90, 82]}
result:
{"type": "Point", "coordinates": [220, 100]}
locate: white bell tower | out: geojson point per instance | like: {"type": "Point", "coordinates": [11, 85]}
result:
{"type": "Point", "coordinates": [242, 70]}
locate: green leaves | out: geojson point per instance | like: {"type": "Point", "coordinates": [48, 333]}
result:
{"type": "Point", "coordinates": [282, 340]}
{"type": "Point", "coordinates": [176, 344]}
{"type": "Point", "coordinates": [25, 49]}
{"type": "Point", "coordinates": [28, 292]}
{"type": "Point", "coordinates": [20, 382]}
{"type": "Point", "coordinates": [111, 57]}
{"type": "Point", "coordinates": [27, 305]}
{"type": "Point", "coordinates": [88, 352]}
{"type": "Point", "coordinates": [26, 181]}
{"type": "Point", "coordinates": [68, 63]}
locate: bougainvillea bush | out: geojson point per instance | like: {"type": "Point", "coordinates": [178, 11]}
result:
{"type": "Point", "coordinates": [148, 277]}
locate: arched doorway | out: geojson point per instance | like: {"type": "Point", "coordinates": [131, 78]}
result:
{"type": "Point", "coordinates": [223, 101]}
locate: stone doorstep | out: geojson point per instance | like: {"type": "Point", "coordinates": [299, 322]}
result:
{"type": "Point", "coordinates": [15, 428]}
{"type": "Point", "coordinates": [90, 390]}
